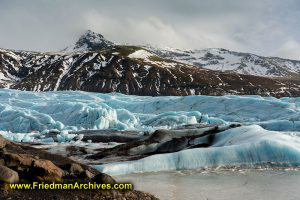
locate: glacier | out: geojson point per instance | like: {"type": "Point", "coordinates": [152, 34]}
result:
{"type": "Point", "coordinates": [250, 145]}
{"type": "Point", "coordinates": [269, 133]}
{"type": "Point", "coordinates": [24, 111]}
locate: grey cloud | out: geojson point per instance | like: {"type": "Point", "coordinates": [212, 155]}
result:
{"type": "Point", "coordinates": [266, 27]}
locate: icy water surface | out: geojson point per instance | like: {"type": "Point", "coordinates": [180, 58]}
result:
{"type": "Point", "coordinates": [221, 185]}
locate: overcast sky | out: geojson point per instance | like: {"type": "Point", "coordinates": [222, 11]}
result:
{"type": "Point", "coordinates": [264, 27]}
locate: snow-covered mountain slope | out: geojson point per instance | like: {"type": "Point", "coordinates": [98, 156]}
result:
{"type": "Point", "coordinates": [97, 65]}
{"type": "Point", "coordinates": [16, 65]}
{"type": "Point", "coordinates": [89, 41]}
{"type": "Point", "coordinates": [230, 61]}
{"type": "Point", "coordinates": [215, 59]}
{"type": "Point", "coordinates": [129, 70]}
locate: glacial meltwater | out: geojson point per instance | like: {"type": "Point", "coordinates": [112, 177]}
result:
{"type": "Point", "coordinates": [219, 185]}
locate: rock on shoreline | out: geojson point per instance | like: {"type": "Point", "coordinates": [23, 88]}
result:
{"type": "Point", "coordinates": [24, 164]}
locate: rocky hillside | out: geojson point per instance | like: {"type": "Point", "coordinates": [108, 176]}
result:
{"type": "Point", "coordinates": [230, 61]}
{"type": "Point", "coordinates": [96, 64]}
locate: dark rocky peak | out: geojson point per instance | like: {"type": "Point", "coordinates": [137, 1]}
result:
{"type": "Point", "coordinates": [91, 41]}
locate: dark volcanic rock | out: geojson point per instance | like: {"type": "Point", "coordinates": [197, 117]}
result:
{"type": "Point", "coordinates": [110, 136]}
{"type": "Point", "coordinates": [162, 141]}
{"type": "Point", "coordinates": [173, 145]}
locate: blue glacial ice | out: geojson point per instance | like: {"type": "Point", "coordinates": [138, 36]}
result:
{"type": "Point", "coordinates": [250, 145]}
{"type": "Point", "coordinates": [26, 112]}
{"type": "Point", "coordinates": [271, 132]}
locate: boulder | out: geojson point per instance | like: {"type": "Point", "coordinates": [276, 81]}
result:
{"type": "Point", "coordinates": [16, 160]}
{"type": "Point", "coordinates": [86, 174]}
{"type": "Point", "coordinates": [43, 170]}
{"type": "Point", "coordinates": [46, 170]}
{"type": "Point", "coordinates": [104, 179]}
{"type": "Point", "coordinates": [74, 168]}
{"type": "Point", "coordinates": [8, 175]}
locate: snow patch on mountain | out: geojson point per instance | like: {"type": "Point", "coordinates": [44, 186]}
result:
{"type": "Point", "coordinates": [140, 54]}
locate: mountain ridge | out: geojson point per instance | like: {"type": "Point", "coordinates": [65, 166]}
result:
{"type": "Point", "coordinates": [232, 61]}
{"type": "Point", "coordinates": [210, 58]}
{"type": "Point", "coordinates": [129, 70]}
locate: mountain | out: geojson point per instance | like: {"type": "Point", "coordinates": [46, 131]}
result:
{"type": "Point", "coordinates": [230, 61]}
{"type": "Point", "coordinates": [98, 65]}
{"type": "Point", "coordinates": [90, 41]}
{"type": "Point", "coordinates": [213, 58]}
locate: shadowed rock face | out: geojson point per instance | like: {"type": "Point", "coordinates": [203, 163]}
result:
{"type": "Point", "coordinates": [162, 141]}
